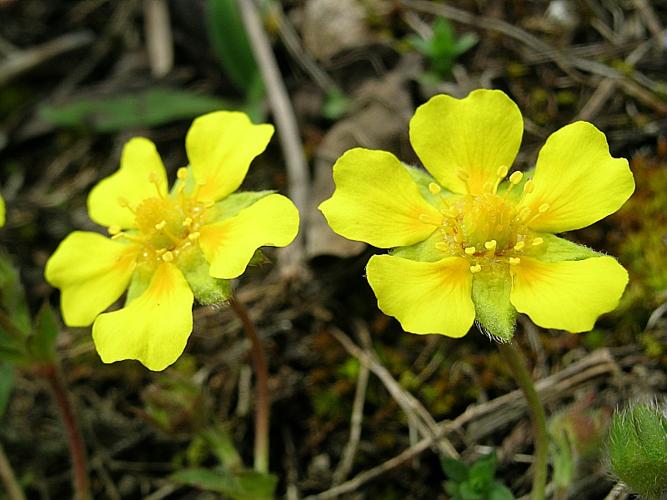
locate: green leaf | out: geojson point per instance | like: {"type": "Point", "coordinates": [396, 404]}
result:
{"type": "Point", "coordinates": [6, 385]}
{"type": "Point", "coordinates": [335, 105]}
{"type": "Point", "coordinates": [483, 471]}
{"type": "Point", "coordinates": [465, 43]}
{"type": "Point", "coordinates": [500, 492]}
{"type": "Point", "coordinates": [230, 43]}
{"type": "Point", "coordinates": [42, 343]}
{"type": "Point", "coordinates": [147, 108]}
{"type": "Point", "coordinates": [555, 249]}
{"type": "Point", "coordinates": [245, 485]}
{"type": "Point", "coordinates": [223, 448]}
{"type": "Point", "coordinates": [12, 295]}
{"type": "Point", "coordinates": [493, 310]}
{"type": "Point", "coordinates": [454, 469]}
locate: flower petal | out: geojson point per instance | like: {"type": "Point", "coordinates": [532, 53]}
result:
{"type": "Point", "coordinates": [230, 244]}
{"type": "Point", "coordinates": [220, 147]}
{"type": "Point", "coordinates": [425, 297]}
{"type": "Point", "coordinates": [463, 142]}
{"type": "Point", "coordinates": [2, 211]}
{"type": "Point", "coordinates": [377, 201]}
{"type": "Point", "coordinates": [91, 271]}
{"type": "Point", "coordinates": [567, 295]}
{"type": "Point", "coordinates": [576, 180]}
{"type": "Point", "coordinates": [153, 328]}
{"type": "Point", "coordinates": [139, 162]}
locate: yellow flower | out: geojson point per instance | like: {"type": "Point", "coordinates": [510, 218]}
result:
{"type": "Point", "coordinates": [468, 245]}
{"type": "Point", "coordinates": [168, 248]}
{"type": "Point", "coordinates": [2, 211]}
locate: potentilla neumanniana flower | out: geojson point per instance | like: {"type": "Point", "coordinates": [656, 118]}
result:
{"type": "Point", "coordinates": [168, 247]}
{"type": "Point", "coordinates": [468, 244]}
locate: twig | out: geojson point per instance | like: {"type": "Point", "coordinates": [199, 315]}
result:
{"type": "Point", "coordinates": [292, 258]}
{"type": "Point", "coordinates": [159, 41]}
{"type": "Point", "coordinates": [566, 381]}
{"type": "Point", "coordinates": [347, 461]}
{"type": "Point", "coordinates": [12, 487]}
{"type": "Point", "coordinates": [22, 61]}
{"type": "Point", "coordinates": [408, 403]}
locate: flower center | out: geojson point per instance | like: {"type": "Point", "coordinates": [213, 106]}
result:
{"type": "Point", "coordinates": [487, 229]}
{"type": "Point", "coordinates": [166, 225]}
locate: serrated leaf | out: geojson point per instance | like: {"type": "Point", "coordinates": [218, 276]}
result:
{"type": "Point", "coordinates": [42, 343]}
{"type": "Point", "coordinates": [147, 108]}
{"type": "Point", "coordinates": [493, 309]}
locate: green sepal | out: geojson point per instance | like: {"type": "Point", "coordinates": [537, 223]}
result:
{"type": "Point", "coordinates": [424, 251]}
{"type": "Point", "coordinates": [517, 191]}
{"type": "Point", "coordinates": [258, 258]}
{"type": "Point", "coordinates": [42, 342]}
{"type": "Point", "coordinates": [206, 289]}
{"type": "Point", "coordinates": [141, 278]}
{"type": "Point", "coordinates": [555, 249]}
{"type": "Point", "coordinates": [422, 178]}
{"type": "Point", "coordinates": [494, 312]}
{"type": "Point", "coordinates": [234, 203]}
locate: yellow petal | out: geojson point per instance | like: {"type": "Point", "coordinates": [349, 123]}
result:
{"type": "Point", "coordinates": [220, 147]}
{"type": "Point", "coordinates": [2, 211]}
{"type": "Point", "coordinates": [91, 272]}
{"type": "Point", "coordinates": [153, 328]}
{"type": "Point", "coordinates": [577, 182]}
{"type": "Point", "coordinates": [377, 201]}
{"type": "Point", "coordinates": [139, 162]}
{"type": "Point", "coordinates": [567, 295]}
{"type": "Point", "coordinates": [230, 244]}
{"type": "Point", "coordinates": [463, 142]}
{"type": "Point", "coordinates": [425, 297]}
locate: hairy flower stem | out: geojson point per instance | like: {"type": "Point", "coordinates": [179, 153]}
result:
{"type": "Point", "coordinates": [12, 486]}
{"type": "Point", "coordinates": [262, 403]}
{"type": "Point", "coordinates": [77, 449]}
{"type": "Point", "coordinates": [516, 361]}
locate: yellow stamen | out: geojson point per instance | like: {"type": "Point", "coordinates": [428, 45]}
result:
{"type": "Point", "coordinates": [124, 203]}
{"type": "Point", "coordinates": [434, 188]}
{"type": "Point", "coordinates": [519, 246]}
{"type": "Point", "coordinates": [113, 230]}
{"type": "Point", "coordinates": [514, 261]}
{"type": "Point", "coordinates": [537, 241]}
{"type": "Point", "coordinates": [490, 245]}
{"type": "Point", "coordinates": [543, 208]}
{"type": "Point", "coordinates": [182, 173]}
{"type": "Point", "coordinates": [529, 186]}
{"type": "Point", "coordinates": [502, 171]}
{"type": "Point", "coordinates": [475, 269]}
{"type": "Point", "coordinates": [187, 222]}
{"type": "Point", "coordinates": [193, 236]}
{"type": "Point", "coordinates": [516, 177]}
{"type": "Point", "coordinates": [470, 250]}
{"type": "Point", "coordinates": [161, 225]}
{"type": "Point", "coordinates": [168, 256]}
{"type": "Point", "coordinates": [427, 219]}
{"type": "Point", "coordinates": [153, 179]}
{"type": "Point", "coordinates": [441, 245]}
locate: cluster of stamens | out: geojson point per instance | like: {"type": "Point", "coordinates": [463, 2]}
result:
{"type": "Point", "coordinates": [166, 225]}
{"type": "Point", "coordinates": [488, 229]}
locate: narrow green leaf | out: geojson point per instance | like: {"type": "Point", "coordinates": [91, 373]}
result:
{"type": "Point", "coordinates": [12, 295]}
{"type": "Point", "coordinates": [6, 385]}
{"type": "Point", "coordinates": [118, 112]}
{"type": "Point", "coordinates": [42, 343]}
{"type": "Point", "coordinates": [223, 448]}
{"type": "Point", "coordinates": [245, 485]}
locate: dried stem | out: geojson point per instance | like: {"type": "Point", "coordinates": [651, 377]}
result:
{"type": "Point", "coordinates": [516, 361]}
{"type": "Point", "coordinates": [12, 487]}
{"type": "Point", "coordinates": [262, 403]}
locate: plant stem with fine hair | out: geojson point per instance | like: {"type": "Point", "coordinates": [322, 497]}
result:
{"type": "Point", "coordinates": [516, 361]}
{"type": "Point", "coordinates": [77, 449]}
{"type": "Point", "coordinates": [262, 402]}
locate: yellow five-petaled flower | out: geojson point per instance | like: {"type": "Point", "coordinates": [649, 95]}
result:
{"type": "Point", "coordinates": [467, 244]}
{"type": "Point", "coordinates": [168, 247]}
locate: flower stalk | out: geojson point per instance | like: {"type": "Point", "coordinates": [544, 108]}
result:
{"type": "Point", "coordinates": [51, 372]}
{"type": "Point", "coordinates": [262, 402]}
{"type": "Point", "coordinates": [516, 361]}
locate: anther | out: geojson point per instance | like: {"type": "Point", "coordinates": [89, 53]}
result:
{"type": "Point", "coordinates": [502, 171]}
{"type": "Point", "coordinates": [470, 250]}
{"type": "Point", "coordinates": [516, 177]}
{"type": "Point", "coordinates": [193, 236]}
{"type": "Point", "coordinates": [425, 219]}
{"type": "Point", "coordinates": [168, 256]}
{"type": "Point", "coordinates": [182, 173]}
{"type": "Point", "coordinates": [187, 222]}
{"type": "Point", "coordinates": [113, 230]}
{"type": "Point", "coordinates": [529, 186]}
{"type": "Point", "coordinates": [514, 261]}
{"type": "Point", "coordinates": [519, 246]}
{"type": "Point", "coordinates": [434, 188]}
{"type": "Point", "coordinates": [537, 241]}
{"type": "Point", "coordinates": [161, 225]}
{"type": "Point", "coordinates": [441, 245]}
{"type": "Point", "coordinates": [490, 245]}
{"type": "Point", "coordinates": [543, 208]}
{"type": "Point", "coordinates": [475, 269]}
{"type": "Point", "coordinates": [160, 251]}
{"type": "Point", "coordinates": [123, 202]}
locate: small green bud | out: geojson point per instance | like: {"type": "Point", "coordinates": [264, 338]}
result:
{"type": "Point", "coordinates": [638, 449]}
